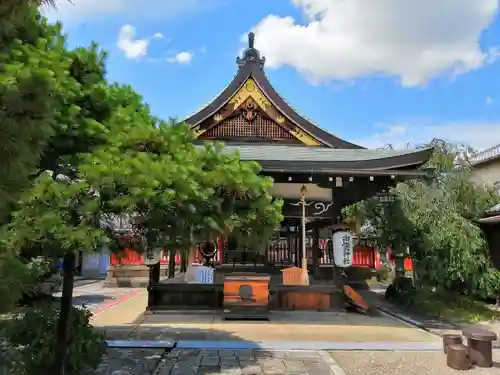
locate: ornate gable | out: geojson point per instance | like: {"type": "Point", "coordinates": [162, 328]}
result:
{"type": "Point", "coordinates": [250, 110]}
{"type": "Point", "coordinates": [250, 116]}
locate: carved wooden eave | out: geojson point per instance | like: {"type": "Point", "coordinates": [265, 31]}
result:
{"type": "Point", "coordinates": [250, 96]}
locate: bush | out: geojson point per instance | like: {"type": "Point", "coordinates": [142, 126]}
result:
{"type": "Point", "coordinates": [32, 336]}
{"type": "Point", "coordinates": [13, 277]}
{"type": "Point", "coordinates": [383, 273]}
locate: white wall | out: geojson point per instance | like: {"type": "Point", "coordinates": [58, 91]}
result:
{"type": "Point", "coordinates": [487, 174]}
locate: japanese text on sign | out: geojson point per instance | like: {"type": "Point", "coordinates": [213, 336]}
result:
{"type": "Point", "coordinates": [342, 248]}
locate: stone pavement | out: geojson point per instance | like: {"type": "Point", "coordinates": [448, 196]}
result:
{"type": "Point", "coordinates": [280, 362]}
{"type": "Point", "coordinates": [228, 362]}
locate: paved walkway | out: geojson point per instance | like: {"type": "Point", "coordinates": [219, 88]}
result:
{"type": "Point", "coordinates": [226, 362]}
{"type": "Point", "coordinates": [280, 362]}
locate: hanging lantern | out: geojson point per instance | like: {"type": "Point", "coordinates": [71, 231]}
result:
{"type": "Point", "coordinates": [343, 248]}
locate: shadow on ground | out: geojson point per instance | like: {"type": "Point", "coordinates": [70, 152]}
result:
{"type": "Point", "coordinates": [374, 295]}
{"type": "Point", "coordinates": [88, 281]}
{"type": "Point", "coordinates": [233, 354]}
{"type": "Point", "coordinates": [91, 299]}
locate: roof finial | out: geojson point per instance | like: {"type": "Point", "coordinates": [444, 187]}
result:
{"type": "Point", "coordinates": [251, 40]}
{"type": "Point", "coordinates": [251, 54]}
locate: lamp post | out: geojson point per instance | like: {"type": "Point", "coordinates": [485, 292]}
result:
{"type": "Point", "coordinates": [303, 192]}
{"type": "Point", "coordinates": [385, 198]}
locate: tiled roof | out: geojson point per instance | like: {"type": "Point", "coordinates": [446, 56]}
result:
{"type": "Point", "coordinates": [311, 154]}
{"type": "Point", "coordinates": [487, 155]}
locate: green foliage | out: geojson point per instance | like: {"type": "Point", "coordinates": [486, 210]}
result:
{"type": "Point", "coordinates": [52, 100]}
{"type": "Point", "coordinates": [383, 273]}
{"type": "Point", "coordinates": [436, 220]}
{"type": "Point", "coordinates": [31, 71]}
{"type": "Point", "coordinates": [56, 217]}
{"type": "Point", "coordinates": [14, 276]}
{"type": "Point", "coordinates": [32, 335]}
{"type": "Point", "coordinates": [443, 304]}
{"type": "Point", "coordinates": [176, 192]}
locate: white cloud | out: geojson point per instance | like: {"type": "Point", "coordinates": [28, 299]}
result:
{"type": "Point", "coordinates": [158, 36]}
{"type": "Point", "coordinates": [414, 40]}
{"type": "Point", "coordinates": [181, 58]}
{"type": "Point", "coordinates": [76, 12]}
{"type": "Point", "coordinates": [477, 135]}
{"type": "Point", "coordinates": [133, 48]}
{"type": "Point", "coordinates": [489, 100]}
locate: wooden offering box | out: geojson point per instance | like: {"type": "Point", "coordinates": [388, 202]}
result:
{"type": "Point", "coordinates": [246, 296]}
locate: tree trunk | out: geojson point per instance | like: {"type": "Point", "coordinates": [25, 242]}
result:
{"type": "Point", "coordinates": [183, 265]}
{"type": "Point", "coordinates": [64, 315]}
{"type": "Point", "coordinates": [171, 263]}
{"type": "Point", "coordinates": [191, 255]}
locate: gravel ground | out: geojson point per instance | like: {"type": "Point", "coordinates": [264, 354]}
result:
{"type": "Point", "coordinates": [404, 363]}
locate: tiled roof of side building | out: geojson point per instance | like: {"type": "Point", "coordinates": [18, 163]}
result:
{"type": "Point", "coordinates": [489, 154]}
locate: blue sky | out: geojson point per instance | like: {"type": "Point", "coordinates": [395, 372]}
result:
{"type": "Point", "coordinates": [372, 72]}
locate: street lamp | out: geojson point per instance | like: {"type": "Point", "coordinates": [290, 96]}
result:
{"type": "Point", "coordinates": [385, 199]}
{"type": "Point", "coordinates": [303, 192]}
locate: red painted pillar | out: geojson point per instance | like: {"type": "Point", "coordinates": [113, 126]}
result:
{"type": "Point", "coordinates": [378, 263]}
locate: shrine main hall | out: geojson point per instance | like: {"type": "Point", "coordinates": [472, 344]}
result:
{"type": "Point", "coordinates": [250, 117]}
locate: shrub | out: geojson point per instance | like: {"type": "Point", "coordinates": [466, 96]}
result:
{"type": "Point", "coordinates": [383, 273]}
{"type": "Point", "coordinates": [32, 336]}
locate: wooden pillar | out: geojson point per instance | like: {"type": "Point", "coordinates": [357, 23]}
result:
{"type": "Point", "coordinates": [298, 249]}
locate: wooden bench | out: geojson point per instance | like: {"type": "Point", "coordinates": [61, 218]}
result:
{"type": "Point", "coordinates": [457, 357]}
{"type": "Point", "coordinates": [479, 343]}
{"type": "Point", "coordinates": [451, 339]}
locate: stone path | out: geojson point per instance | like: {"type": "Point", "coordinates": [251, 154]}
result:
{"type": "Point", "coordinates": [228, 362]}
{"type": "Point", "coordinates": [296, 362]}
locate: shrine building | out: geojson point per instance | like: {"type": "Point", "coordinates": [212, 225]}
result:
{"type": "Point", "coordinates": [252, 118]}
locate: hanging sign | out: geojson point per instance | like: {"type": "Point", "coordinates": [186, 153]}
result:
{"type": "Point", "coordinates": [343, 246]}
{"type": "Point", "coordinates": [150, 257]}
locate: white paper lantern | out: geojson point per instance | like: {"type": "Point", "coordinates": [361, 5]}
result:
{"type": "Point", "coordinates": [151, 256]}
{"type": "Point", "coordinates": [343, 246]}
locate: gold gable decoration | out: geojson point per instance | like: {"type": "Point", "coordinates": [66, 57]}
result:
{"type": "Point", "coordinates": [251, 90]}
{"type": "Point", "coordinates": [259, 128]}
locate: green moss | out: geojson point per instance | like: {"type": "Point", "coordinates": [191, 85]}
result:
{"type": "Point", "coordinates": [453, 308]}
